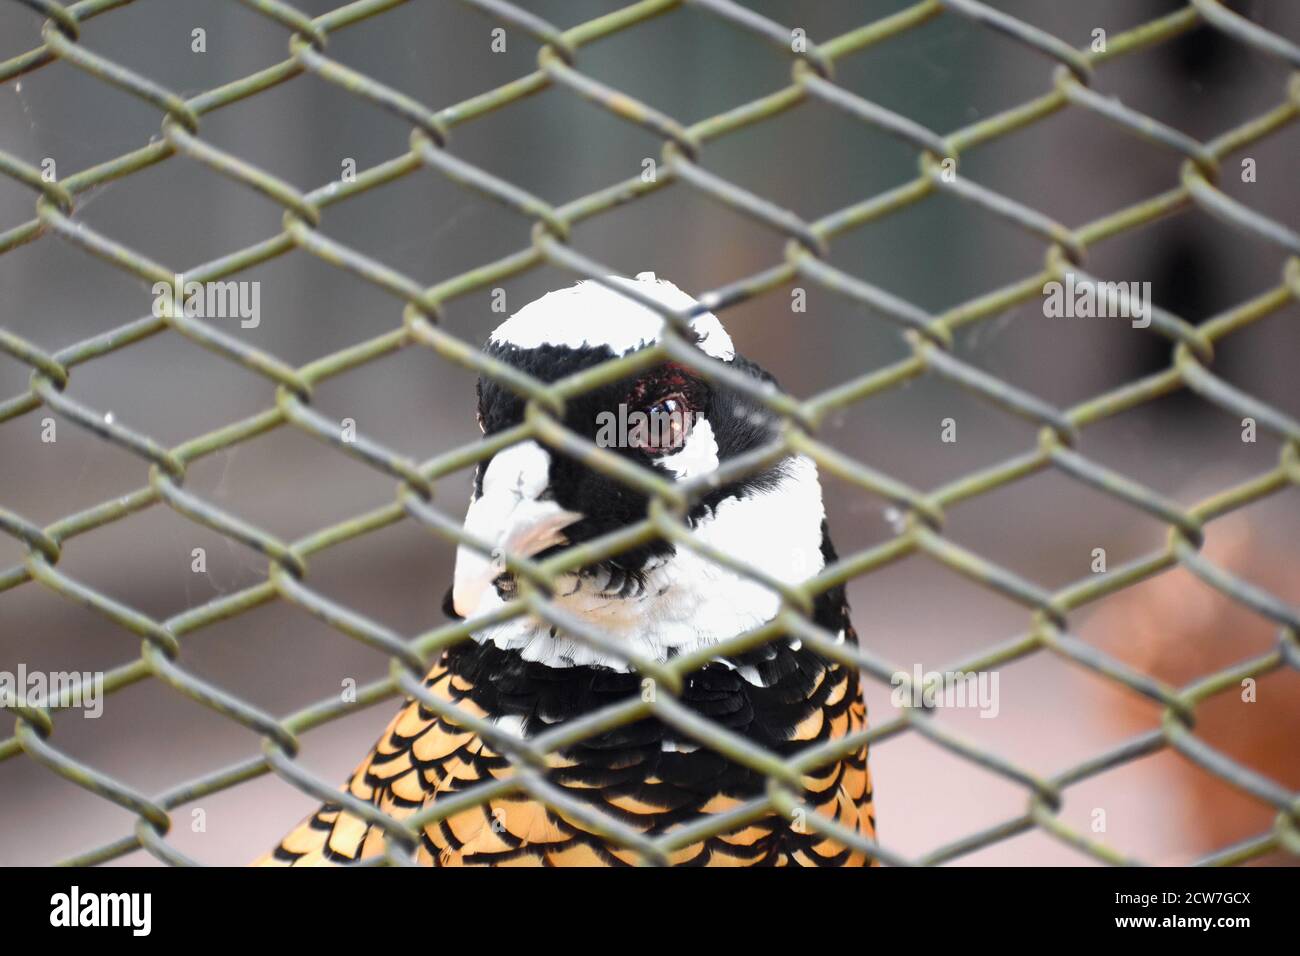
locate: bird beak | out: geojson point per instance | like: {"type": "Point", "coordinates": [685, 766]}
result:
{"type": "Point", "coordinates": [513, 520]}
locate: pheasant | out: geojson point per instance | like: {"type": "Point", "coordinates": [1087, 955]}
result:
{"type": "Point", "coordinates": [657, 600]}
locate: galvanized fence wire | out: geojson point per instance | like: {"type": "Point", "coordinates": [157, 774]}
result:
{"type": "Point", "coordinates": [67, 35]}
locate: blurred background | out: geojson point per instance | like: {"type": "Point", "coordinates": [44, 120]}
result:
{"type": "Point", "coordinates": [941, 252]}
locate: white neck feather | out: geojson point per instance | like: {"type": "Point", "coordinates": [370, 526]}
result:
{"type": "Point", "coordinates": [689, 603]}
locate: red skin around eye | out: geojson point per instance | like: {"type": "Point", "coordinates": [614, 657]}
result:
{"type": "Point", "coordinates": [667, 382]}
{"type": "Point", "coordinates": [662, 383]}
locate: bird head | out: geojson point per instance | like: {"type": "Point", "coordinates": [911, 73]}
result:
{"type": "Point", "coordinates": [661, 599]}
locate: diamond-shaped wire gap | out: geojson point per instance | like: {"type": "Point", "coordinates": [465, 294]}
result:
{"type": "Point", "coordinates": [914, 815]}
{"type": "Point", "coordinates": [63, 112]}
{"type": "Point", "coordinates": [238, 42]}
{"type": "Point", "coordinates": [46, 481]}
{"type": "Point", "coordinates": [47, 817]}
{"type": "Point", "coordinates": [324, 669]}
{"type": "Point", "coordinates": [21, 28]}
{"type": "Point", "coordinates": [712, 245]}
{"type": "Point", "coordinates": [1269, 192]}
{"type": "Point", "coordinates": [1260, 733]}
{"type": "Point", "coordinates": [439, 54]}
{"type": "Point", "coordinates": [171, 388]}
{"type": "Point", "coordinates": [1276, 521]}
{"type": "Point", "coordinates": [1038, 718]}
{"type": "Point", "coordinates": [939, 252]}
{"type": "Point", "coordinates": [1065, 360]}
{"type": "Point", "coordinates": [858, 519]}
{"type": "Point", "coordinates": [396, 576]}
{"type": "Point", "coordinates": [1197, 266]}
{"type": "Point", "coordinates": [812, 339]}
{"type": "Point", "coordinates": [308, 309]}
{"type": "Point", "coordinates": [1048, 526]}
{"type": "Point", "coordinates": [717, 65]}
{"type": "Point", "coordinates": [1180, 446]}
{"type": "Point", "coordinates": [289, 483]}
{"type": "Point", "coordinates": [164, 576]}
{"type": "Point", "coordinates": [53, 313]}
{"type": "Point", "coordinates": [1217, 264]}
{"type": "Point", "coordinates": [957, 73]}
{"type": "Point", "coordinates": [918, 611]}
{"type": "Point", "coordinates": [1164, 810]}
{"type": "Point", "coordinates": [301, 130]}
{"type": "Point", "coordinates": [271, 133]}
{"type": "Point", "coordinates": [349, 134]}
{"type": "Point", "coordinates": [556, 145]}
{"type": "Point", "coordinates": [179, 213]}
{"type": "Point", "coordinates": [413, 402]}
{"type": "Point", "coordinates": [314, 661]}
{"type": "Point", "coordinates": [1063, 697]}
{"type": "Point", "coordinates": [1129, 809]}
{"type": "Point", "coordinates": [1036, 711]}
{"type": "Point", "coordinates": [841, 159]}
{"type": "Point", "coordinates": [1258, 359]}
{"type": "Point", "coordinates": [902, 432]}
{"type": "Point", "coordinates": [1175, 627]}
{"type": "Point", "coordinates": [1261, 737]}
{"type": "Point", "coordinates": [426, 226]}
{"type": "Point", "coordinates": [1063, 165]}
{"type": "Point", "coordinates": [153, 736]}
{"type": "Point", "coordinates": [1202, 81]}
{"type": "Point", "coordinates": [47, 632]}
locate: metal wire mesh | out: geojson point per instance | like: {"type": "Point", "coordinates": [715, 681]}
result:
{"type": "Point", "coordinates": [928, 337]}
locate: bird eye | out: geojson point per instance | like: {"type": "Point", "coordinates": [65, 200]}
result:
{"type": "Point", "coordinates": [667, 425]}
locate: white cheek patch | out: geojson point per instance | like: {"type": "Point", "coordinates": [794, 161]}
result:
{"type": "Point", "coordinates": [524, 469]}
{"type": "Point", "coordinates": [591, 314]}
{"type": "Point", "coordinates": [698, 456]}
{"type": "Point", "coordinates": [508, 516]}
{"type": "Point", "coordinates": [778, 532]}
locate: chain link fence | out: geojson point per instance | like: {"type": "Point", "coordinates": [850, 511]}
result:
{"type": "Point", "coordinates": [66, 35]}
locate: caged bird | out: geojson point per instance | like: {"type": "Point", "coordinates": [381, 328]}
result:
{"type": "Point", "coordinates": [657, 600]}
